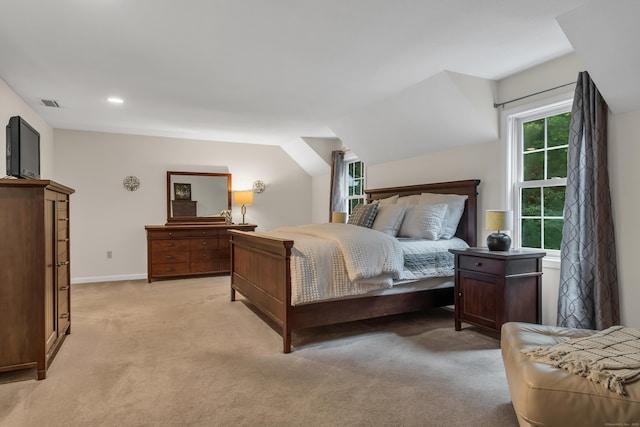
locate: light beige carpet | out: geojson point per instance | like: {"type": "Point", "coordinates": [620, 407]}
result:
{"type": "Point", "coordinates": [179, 353]}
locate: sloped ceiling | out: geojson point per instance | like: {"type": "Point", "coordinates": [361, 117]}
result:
{"type": "Point", "coordinates": [373, 73]}
{"type": "Point", "coordinates": [605, 35]}
{"type": "Point", "coordinates": [444, 111]}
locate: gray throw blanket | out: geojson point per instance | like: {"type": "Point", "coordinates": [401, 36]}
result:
{"type": "Point", "coordinates": [610, 357]}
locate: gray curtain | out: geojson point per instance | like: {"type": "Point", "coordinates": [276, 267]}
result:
{"type": "Point", "coordinates": [337, 196]}
{"type": "Point", "coordinates": [588, 296]}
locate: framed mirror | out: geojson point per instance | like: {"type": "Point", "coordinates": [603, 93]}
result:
{"type": "Point", "coordinates": [197, 196]}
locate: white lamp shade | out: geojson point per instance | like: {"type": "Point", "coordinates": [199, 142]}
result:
{"type": "Point", "coordinates": [498, 220]}
{"type": "Point", "coordinates": [243, 197]}
{"type": "Point", "coordinates": [339, 217]}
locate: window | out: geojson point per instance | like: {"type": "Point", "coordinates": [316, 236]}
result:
{"type": "Point", "coordinates": [539, 142]}
{"type": "Point", "coordinates": [355, 184]}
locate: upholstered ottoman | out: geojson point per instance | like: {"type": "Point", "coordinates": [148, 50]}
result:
{"type": "Point", "coordinates": [543, 395]}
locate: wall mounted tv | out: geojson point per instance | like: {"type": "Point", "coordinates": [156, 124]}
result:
{"type": "Point", "coordinates": [23, 149]}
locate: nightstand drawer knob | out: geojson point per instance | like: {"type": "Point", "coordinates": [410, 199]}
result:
{"type": "Point", "coordinates": [459, 294]}
{"type": "Point", "coordinates": [478, 264]}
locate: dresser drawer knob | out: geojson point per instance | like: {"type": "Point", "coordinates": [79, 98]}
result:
{"type": "Point", "coordinates": [171, 244]}
{"type": "Point", "coordinates": [60, 264]}
{"type": "Point", "coordinates": [204, 243]}
{"type": "Point", "coordinates": [169, 257]}
{"type": "Point", "coordinates": [63, 240]}
{"type": "Point", "coordinates": [64, 316]}
{"type": "Point", "coordinates": [64, 288]}
{"type": "Point", "coordinates": [170, 234]}
{"type": "Point", "coordinates": [478, 264]}
{"type": "Point", "coordinates": [169, 269]}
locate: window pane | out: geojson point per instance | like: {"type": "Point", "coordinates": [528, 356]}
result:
{"type": "Point", "coordinates": [356, 188]}
{"type": "Point", "coordinates": [557, 163]}
{"type": "Point", "coordinates": [531, 202]}
{"type": "Point", "coordinates": [554, 200]}
{"type": "Point", "coordinates": [533, 166]}
{"type": "Point", "coordinates": [357, 170]}
{"type": "Point", "coordinates": [552, 233]}
{"type": "Point", "coordinates": [533, 133]}
{"type": "Point", "coordinates": [531, 233]}
{"type": "Point", "coordinates": [558, 129]}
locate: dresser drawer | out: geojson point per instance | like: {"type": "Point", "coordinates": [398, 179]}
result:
{"type": "Point", "coordinates": [169, 245]}
{"type": "Point", "coordinates": [209, 232]}
{"type": "Point", "coordinates": [195, 244]}
{"type": "Point", "coordinates": [224, 264]}
{"type": "Point", "coordinates": [479, 264]}
{"type": "Point", "coordinates": [203, 267]}
{"type": "Point", "coordinates": [203, 255]}
{"type": "Point", "coordinates": [168, 234]}
{"type": "Point", "coordinates": [170, 257]}
{"type": "Point", "coordinates": [168, 269]}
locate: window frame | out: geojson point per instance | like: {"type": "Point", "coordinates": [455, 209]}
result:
{"type": "Point", "coordinates": [513, 119]}
{"type": "Point", "coordinates": [348, 198]}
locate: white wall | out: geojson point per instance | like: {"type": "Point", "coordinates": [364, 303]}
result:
{"type": "Point", "coordinates": [12, 105]}
{"type": "Point", "coordinates": [106, 217]}
{"type": "Point", "coordinates": [624, 176]}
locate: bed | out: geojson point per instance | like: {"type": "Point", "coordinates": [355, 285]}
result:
{"type": "Point", "coordinates": [261, 273]}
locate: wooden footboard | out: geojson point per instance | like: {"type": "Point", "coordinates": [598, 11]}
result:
{"type": "Point", "coordinates": [260, 271]}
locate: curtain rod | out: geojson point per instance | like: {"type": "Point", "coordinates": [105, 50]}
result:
{"type": "Point", "coordinates": [502, 104]}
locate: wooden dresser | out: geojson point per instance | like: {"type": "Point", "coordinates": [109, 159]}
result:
{"type": "Point", "coordinates": [189, 250]}
{"type": "Point", "coordinates": [34, 273]}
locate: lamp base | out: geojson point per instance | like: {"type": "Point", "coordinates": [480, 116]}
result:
{"type": "Point", "coordinates": [498, 242]}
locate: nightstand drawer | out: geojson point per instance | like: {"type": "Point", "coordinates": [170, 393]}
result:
{"type": "Point", "coordinates": [482, 265]}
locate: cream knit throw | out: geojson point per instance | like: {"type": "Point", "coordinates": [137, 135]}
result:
{"type": "Point", "coordinates": [610, 357]}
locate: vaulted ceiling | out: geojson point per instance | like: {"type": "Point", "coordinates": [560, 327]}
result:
{"type": "Point", "coordinates": [374, 73]}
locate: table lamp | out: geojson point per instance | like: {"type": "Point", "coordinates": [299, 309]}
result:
{"type": "Point", "coordinates": [243, 198]}
{"type": "Point", "coordinates": [340, 217]}
{"type": "Point", "coordinates": [498, 221]}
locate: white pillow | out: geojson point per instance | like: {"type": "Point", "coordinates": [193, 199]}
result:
{"type": "Point", "coordinates": [389, 200]}
{"type": "Point", "coordinates": [455, 208]}
{"type": "Point", "coordinates": [389, 218]}
{"type": "Point", "coordinates": [409, 200]}
{"type": "Point", "coordinates": [423, 221]}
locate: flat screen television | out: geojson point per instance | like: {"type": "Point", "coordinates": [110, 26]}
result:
{"type": "Point", "coordinates": [23, 149]}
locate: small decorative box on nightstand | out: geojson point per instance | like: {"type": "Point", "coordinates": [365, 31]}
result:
{"type": "Point", "coordinates": [494, 287]}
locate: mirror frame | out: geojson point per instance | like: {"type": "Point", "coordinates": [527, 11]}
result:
{"type": "Point", "coordinates": [195, 219]}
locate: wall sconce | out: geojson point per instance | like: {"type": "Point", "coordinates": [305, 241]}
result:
{"type": "Point", "coordinates": [258, 186]}
{"type": "Point", "coordinates": [243, 198]}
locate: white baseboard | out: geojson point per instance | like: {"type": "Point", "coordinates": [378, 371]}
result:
{"type": "Point", "coordinates": [117, 278]}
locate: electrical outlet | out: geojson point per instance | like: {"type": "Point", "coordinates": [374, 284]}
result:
{"type": "Point", "coordinates": [109, 254]}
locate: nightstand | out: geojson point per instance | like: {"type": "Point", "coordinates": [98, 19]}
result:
{"type": "Point", "coordinates": [494, 287]}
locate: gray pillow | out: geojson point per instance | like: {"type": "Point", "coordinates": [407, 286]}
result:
{"type": "Point", "coordinates": [363, 215]}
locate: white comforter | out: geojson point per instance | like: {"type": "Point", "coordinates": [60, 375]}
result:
{"type": "Point", "coordinates": [337, 260]}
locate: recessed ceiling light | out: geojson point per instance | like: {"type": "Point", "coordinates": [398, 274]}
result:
{"type": "Point", "coordinates": [115, 100]}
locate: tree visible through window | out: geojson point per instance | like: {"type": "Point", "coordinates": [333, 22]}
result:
{"type": "Point", "coordinates": [355, 185]}
{"type": "Point", "coordinates": [542, 140]}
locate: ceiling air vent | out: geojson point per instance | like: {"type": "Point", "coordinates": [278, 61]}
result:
{"type": "Point", "coordinates": [50, 103]}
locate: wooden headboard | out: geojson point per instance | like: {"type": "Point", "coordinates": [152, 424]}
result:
{"type": "Point", "coordinates": [467, 228]}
